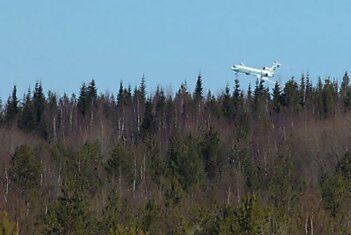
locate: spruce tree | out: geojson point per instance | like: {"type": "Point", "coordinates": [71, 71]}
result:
{"type": "Point", "coordinates": [277, 98]}
{"type": "Point", "coordinates": [27, 117]}
{"type": "Point", "coordinates": [83, 100]}
{"type": "Point", "coordinates": [12, 106]}
{"type": "Point", "coordinates": [39, 103]}
{"type": "Point", "coordinates": [198, 96]}
{"type": "Point", "coordinates": [345, 92]}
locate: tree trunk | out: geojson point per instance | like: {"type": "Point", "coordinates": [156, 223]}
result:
{"type": "Point", "coordinates": [7, 184]}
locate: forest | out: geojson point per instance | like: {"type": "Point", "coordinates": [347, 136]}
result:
{"type": "Point", "coordinates": [258, 161]}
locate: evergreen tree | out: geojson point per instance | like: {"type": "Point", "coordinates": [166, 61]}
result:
{"type": "Point", "coordinates": [151, 218]}
{"type": "Point", "coordinates": [210, 151]}
{"type": "Point", "coordinates": [25, 168]}
{"type": "Point", "coordinates": [226, 102]}
{"type": "Point", "coordinates": [111, 213]}
{"type": "Point", "coordinates": [70, 215]}
{"type": "Point", "coordinates": [328, 98]}
{"type": "Point", "coordinates": [260, 99]}
{"type": "Point", "coordinates": [121, 94]}
{"type": "Point", "coordinates": [291, 96]}
{"type": "Point", "coordinates": [148, 123]}
{"type": "Point", "coordinates": [345, 92]}
{"type": "Point", "coordinates": [142, 89]}
{"type": "Point", "coordinates": [87, 165]}
{"type": "Point", "coordinates": [249, 98]}
{"type": "Point", "coordinates": [198, 96]}
{"type": "Point", "coordinates": [2, 115]}
{"type": "Point", "coordinates": [83, 100]}
{"type": "Point", "coordinates": [308, 91]}
{"type": "Point", "coordinates": [277, 98]}
{"type": "Point", "coordinates": [237, 97]}
{"type": "Point", "coordinates": [38, 103]}
{"type": "Point", "coordinates": [302, 91]}
{"type": "Point", "coordinates": [120, 165]}
{"type": "Point", "coordinates": [27, 118]}
{"type": "Point", "coordinates": [184, 160]}
{"type": "Point", "coordinates": [92, 91]}
{"type": "Point", "coordinates": [12, 106]}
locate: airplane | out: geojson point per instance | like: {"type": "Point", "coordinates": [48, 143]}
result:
{"type": "Point", "coordinates": [265, 73]}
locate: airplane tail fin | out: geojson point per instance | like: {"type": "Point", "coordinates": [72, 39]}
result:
{"type": "Point", "coordinates": [275, 66]}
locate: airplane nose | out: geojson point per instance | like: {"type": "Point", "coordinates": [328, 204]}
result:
{"type": "Point", "coordinates": [233, 67]}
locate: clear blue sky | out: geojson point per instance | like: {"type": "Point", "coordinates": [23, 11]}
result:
{"type": "Point", "coordinates": [64, 43]}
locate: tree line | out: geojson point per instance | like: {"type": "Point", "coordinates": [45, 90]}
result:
{"type": "Point", "coordinates": [255, 162]}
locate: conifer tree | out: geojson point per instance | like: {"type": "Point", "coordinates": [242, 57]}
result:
{"type": "Point", "coordinates": [237, 97]}
{"type": "Point", "coordinates": [25, 168]}
{"type": "Point", "coordinates": [70, 215]}
{"type": "Point", "coordinates": [184, 160]}
{"type": "Point", "coordinates": [226, 102]}
{"type": "Point", "coordinates": [345, 92]}
{"type": "Point", "coordinates": [121, 94]}
{"type": "Point", "coordinates": [210, 151]}
{"type": "Point", "coordinates": [111, 213]}
{"type": "Point", "coordinates": [12, 106]}
{"type": "Point", "coordinates": [38, 103]}
{"type": "Point", "coordinates": [27, 117]}
{"type": "Point", "coordinates": [83, 100]}
{"type": "Point", "coordinates": [308, 91]}
{"type": "Point", "coordinates": [302, 90]}
{"type": "Point", "coordinates": [142, 89]}
{"type": "Point", "coordinates": [92, 91]}
{"type": "Point", "coordinates": [2, 115]}
{"type": "Point", "coordinates": [277, 98]}
{"type": "Point", "coordinates": [148, 123]}
{"type": "Point", "coordinates": [198, 96]}
{"type": "Point", "coordinates": [291, 97]}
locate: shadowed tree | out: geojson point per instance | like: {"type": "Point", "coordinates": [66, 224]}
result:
{"type": "Point", "coordinates": [198, 96]}
{"type": "Point", "coordinates": [184, 160]}
{"type": "Point", "coordinates": [25, 168]}
{"type": "Point", "coordinates": [12, 106]}
{"type": "Point", "coordinates": [83, 99]}
{"type": "Point", "coordinates": [277, 98]}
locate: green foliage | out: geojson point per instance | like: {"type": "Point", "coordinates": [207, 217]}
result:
{"type": "Point", "coordinates": [121, 163]}
{"type": "Point", "coordinates": [12, 106]}
{"type": "Point", "coordinates": [70, 215]}
{"type": "Point", "coordinates": [39, 103]}
{"type": "Point", "coordinates": [148, 123]}
{"type": "Point", "coordinates": [198, 89]}
{"type": "Point", "coordinates": [151, 218]}
{"type": "Point", "coordinates": [7, 226]}
{"type": "Point", "coordinates": [226, 102]}
{"type": "Point", "coordinates": [260, 100]}
{"type": "Point", "coordinates": [83, 101]}
{"type": "Point", "coordinates": [336, 189]}
{"type": "Point", "coordinates": [184, 160]}
{"type": "Point", "coordinates": [226, 164]}
{"type": "Point", "coordinates": [111, 214]}
{"type": "Point", "coordinates": [27, 118]}
{"type": "Point", "coordinates": [277, 98]}
{"type": "Point", "coordinates": [156, 162]}
{"type": "Point", "coordinates": [25, 168]}
{"type": "Point", "coordinates": [213, 162]}
{"type": "Point", "coordinates": [88, 166]}
{"type": "Point", "coordinates": [122, 229]}
{"type": "Point", "coordinates": [250, 217]}
{"type": "Point", "coordinates": [238, 98]}
{"type": "Point", "coordinates": [291, 96]}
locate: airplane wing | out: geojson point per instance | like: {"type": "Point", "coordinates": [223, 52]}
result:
{"type": "Point", "coordinates": [268, 80]}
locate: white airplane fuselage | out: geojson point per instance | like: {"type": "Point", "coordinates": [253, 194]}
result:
{"type": "Point", "coordinates": [265, 73]}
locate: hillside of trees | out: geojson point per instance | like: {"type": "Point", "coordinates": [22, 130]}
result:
{"type": "Point", "coordinates": [255, 162]}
